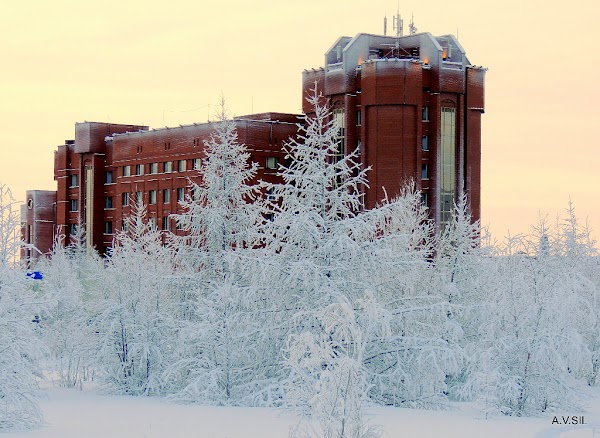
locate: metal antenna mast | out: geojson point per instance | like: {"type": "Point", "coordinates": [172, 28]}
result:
{"type": "Point", "coordinates": [398, 23]}
{"type": "Point", "coordinates": [411, 27]}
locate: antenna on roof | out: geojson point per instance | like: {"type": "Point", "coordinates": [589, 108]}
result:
{"type": "Point", "coordinates": [398, 23]}
{"type": "Point", "coordinates": [411, 27]}
{"type": "Point", "coordinates": [385, 25]}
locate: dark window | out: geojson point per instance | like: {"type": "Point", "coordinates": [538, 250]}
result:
{"type": "Point", "coordinates": [73, 205]}
{"type": "Point", "coordinates": [195, 193]}
{"type": "Point", "coordinates": [424, 143]}
{"type": "Point", "coordinates": [180, 194]}
{"type": "Point", "coordinates": [108, 227]}
{"type": "Point", "coordinates": [424, 199]}
{"type": "Point", "coordinates": [166, 196]}
{"type": "Point", "coordinates": [125, 199]}
{"type": "Point", "coordinates": [358, 118]}
{"type": "Point", "coordinates": [73, 181]}
{"type": "Point", "coordinates": [424, 172]}
{"type": "Point", "coordinates": [425, 113]}
{"type": "Point", "coordinates": [152, 197]}
{"type": "Point", "coordinates": [139, 169]}
{"type": "Point", "coordinates": [109, 177]}
{"type": "Point", "coordinates": [108, 202]}
{"type": "Point", "coordinates": [165, 223]}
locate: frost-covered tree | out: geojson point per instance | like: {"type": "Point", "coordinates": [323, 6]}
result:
{"type": "Point", "coordinates": [530, 347]}
{"type": "Point", "coordinates": [328, 384]}
{"type": "Point", "coordinates": [133, 323]}
{"type": "Point", "coordinates": [222, 357]}
{"type": "Point", "coordinates": [414, 347]}
{"type": "Point", "coordinates": [223, 213]}
{"type": "Point", "coordinates": [20, 351]}
{"type": "Point", "coordinates": [322, 249]}
{"type": "Point", "coordinates": [10, 220]}
{"type": "Point", "coordinates": [309, 254]}
{"type": "Point", "coordinates": [20, 348]}
{"type": "Point", "coordinates": [71, 278]}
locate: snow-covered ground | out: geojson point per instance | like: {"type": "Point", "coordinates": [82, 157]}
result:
{"type": "Point", "coordinates": [71, 413]}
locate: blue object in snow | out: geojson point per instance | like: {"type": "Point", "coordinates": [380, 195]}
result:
{"type": "Point", "coordinates": [35, 275]}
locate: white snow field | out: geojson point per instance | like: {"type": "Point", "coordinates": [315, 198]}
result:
{"type": "Point", "coordinates": [70, 413]}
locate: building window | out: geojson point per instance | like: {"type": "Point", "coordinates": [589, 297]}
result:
{"type": "Point", "coordinates": [195, 193]}
{"type": "Point", "coordinates": [425, 113]}
{"type": "Point", "coordinates": [180, 194]}
{"type": "Point", "coordinates": [108, 227]}
{"type": "Point", "coordinates": [152, 197]}
{"type": "Point", "coordinates": [358, 118]}
{"type": "Point", "coordinates": [181, 166]}
{"type": "Point", "coordinates": [139, 197]}
{"type": "Point", "coordinates": [72, 229]}
{"type": "Point", "coordinates": [448, 162]}
{"type": "Point", "coordinates": [168, 167]}
{"type": "Point", "coordinates": [340, 140]}
{"type": "Point", "coordinates": [424, 143]}
{"type": "Point", "coordinates": [165, 223]}
{"type": "Point", "coordinates": [126, 170]}
{"type": "Point", "coordinates": [424, 198]}
{"type": "Point", "coordinates": [424, 172]}
{"type": "Point", "coordinates": [340, 123]}
{"type": "Point", "coordinates": [197, 163]}
{"type": "Point", "coordinates": [109, 177]}
{"type": "Point", "coordinates": [152, 222]}
{"type": "Point", "coordinates": [73, 181]}
{"type": "Point", "coordinates": [153, 168]}
{"type": "Point", "coordinates": [166, 196]}
{"type": "Point", "coordinates": [108, 202]}
{"type": "Point", "coordinates": [73, 205]}
{"type": "Point", "coordinates": [272, 163]}
{"type": "Point", "coordinates": [125, 199]}
{"type": "Point", "coordinates": [139, 169]}
{"type": "Point", "coordinates": [270, 194]}
{"type": "Point", "coordinates": [125, 225]}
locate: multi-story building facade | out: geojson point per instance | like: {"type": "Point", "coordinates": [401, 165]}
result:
{"type": "Point", "coordinates": [411, 105]}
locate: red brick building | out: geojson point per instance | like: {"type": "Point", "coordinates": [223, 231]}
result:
{"type": "Point", "coordinates": [412, 105]}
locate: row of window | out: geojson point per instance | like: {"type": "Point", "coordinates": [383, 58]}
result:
{"type": "Point", "coordinates": [271, 163]}
{"type": "Point", "coordinates": [152, 220]}
{"type": "Point", "coordinates": [125, 198]}
{"type": "Point", "coordinates": [152, 196]}
{"type": "Point", "coordinates": [167, 167]}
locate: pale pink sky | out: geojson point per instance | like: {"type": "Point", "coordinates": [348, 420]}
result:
{"type": "Point", "coordinates": [148, 62]}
